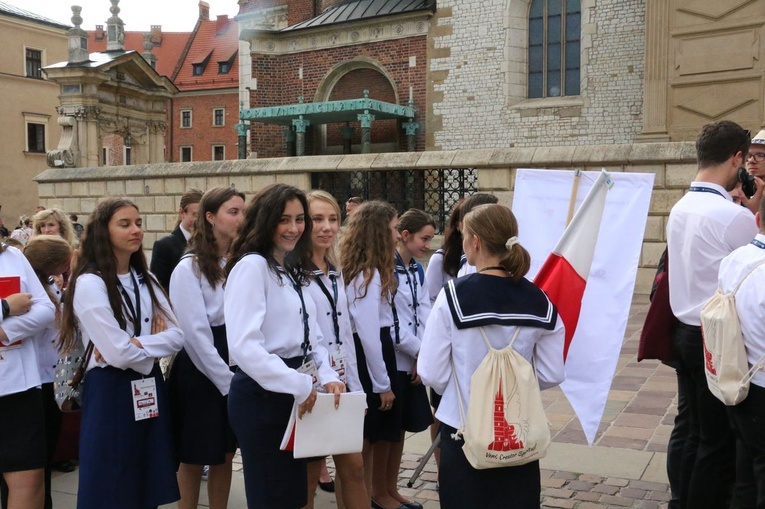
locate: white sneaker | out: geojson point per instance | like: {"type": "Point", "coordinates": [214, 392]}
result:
{"type": "Point", "coordinates": [205, 471]}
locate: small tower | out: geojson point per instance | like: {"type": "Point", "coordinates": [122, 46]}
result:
{"type": "Point", "coordinates": [78, 38]}
{"type": "Point", "coordinates": [115, 29]}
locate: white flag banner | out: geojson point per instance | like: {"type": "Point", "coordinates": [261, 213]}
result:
{"type": "Point", "coordinates": [541, 203]}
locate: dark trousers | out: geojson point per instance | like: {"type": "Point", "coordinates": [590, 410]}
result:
{"type": "Point", "coordinates": [748, 420]}
{"type": "Point", "coordinates": [682, 445]}
{"type": "Point", "coordinates": [463, 486]}
{"type": "Point", "coordinates": [709, 484]}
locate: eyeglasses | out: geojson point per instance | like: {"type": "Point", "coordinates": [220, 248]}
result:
{"type": "Point", "coordinates": [758, 157]}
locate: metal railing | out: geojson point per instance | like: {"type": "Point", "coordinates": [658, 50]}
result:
{"type": "Point", "coordinates": [434, 191]}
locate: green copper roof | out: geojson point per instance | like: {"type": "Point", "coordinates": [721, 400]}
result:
{"type": "Point", "coordinates": [328, 112]}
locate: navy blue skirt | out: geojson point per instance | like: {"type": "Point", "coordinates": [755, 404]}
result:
{"type": "Point", "coordinates": [203, 435]}
{"type": "Point", "coordinates": [124, 463]}
{"type": "Point", "coordinates": [272, 478]}
{"type": "Point", "coordinates": [378, 424]}
{"type": "Point", "coordinates": [415, 407]}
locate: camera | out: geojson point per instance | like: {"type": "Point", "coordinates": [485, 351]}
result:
{"type": "Point", "coordinates": [747, 182]}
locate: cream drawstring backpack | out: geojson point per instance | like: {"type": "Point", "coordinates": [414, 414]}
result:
{"type": "Point", "coordinates": [505, 425]}
{"type": "Point", "coordinates": [725, 361]}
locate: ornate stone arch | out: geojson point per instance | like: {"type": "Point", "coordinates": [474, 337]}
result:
{"type": "Point", "coordinates": [330, 81]}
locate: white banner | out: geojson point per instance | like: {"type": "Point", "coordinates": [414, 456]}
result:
{"type": "Point", "coordinates": [541, 203]}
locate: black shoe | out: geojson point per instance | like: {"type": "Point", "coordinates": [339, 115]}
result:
{"type": "Point", "coordinates": [375, 505]}
{"type": "Point", "coordinates": [63, 466]}
{"type": "Point", "coordinates": [412, 505]}
{"type": "Point", "coordinates": [329, 487]}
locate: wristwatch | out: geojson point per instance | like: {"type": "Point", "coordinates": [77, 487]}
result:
{"type": "Point", "coordinates": [6, 309]}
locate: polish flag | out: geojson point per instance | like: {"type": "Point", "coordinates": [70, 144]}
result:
{"type": "Point", "coordinates": [563, 276]}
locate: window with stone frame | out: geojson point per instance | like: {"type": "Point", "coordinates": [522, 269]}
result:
{"type": "Point", "coordinates": [186, 154]}
{"type": "Point", "coordinates": [219, 152]}
{"type": "Point", "coordinates": [554, 48]}
{"type": "Point", "coordinates": [219, 116]}
{"type": "Point", "coordinates": [35, 137]}
{"type": "Point", "coordinates": [34, 63]}
{"type": "Point", "coordinates": [185, 119]}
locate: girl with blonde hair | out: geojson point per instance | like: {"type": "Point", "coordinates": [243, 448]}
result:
{"type": "Point", "coordinates": [367, 254]}
{"type": "Point", "coordinates": [327, 288]}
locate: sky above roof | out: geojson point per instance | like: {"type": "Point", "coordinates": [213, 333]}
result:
{"type": "Point", "coordinates": [138, 15]}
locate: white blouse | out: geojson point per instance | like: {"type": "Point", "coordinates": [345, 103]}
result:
{"type": "Point", "coordinates": [410, 334]}
{"type": "Point", "coordinates": [327, 326]}
{"type": "Point", "coordinates": [199, 307]}
{"type": "Point", "coordinates": [47, 350]}
{"type": "Point", "coordinates": [97, 323]}
{"type": "Point", "coordinates": [435, 277]}
{"type": "Point", "coordinates": [264, 324]}
{"type": "Point", "coordinates": [18, 361]}
{"type": "Point", "coordinates": [443, 340]}
{"type": "Point", "coordinates": [369, 313]}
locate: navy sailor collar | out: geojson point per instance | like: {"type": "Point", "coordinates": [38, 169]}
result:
{"type": "Point", "coordinates": [316, 271]}
{"type": "Point", "coordinates": [478, 299]}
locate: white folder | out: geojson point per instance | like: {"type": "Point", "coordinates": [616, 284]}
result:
{"type": "Point", "coordinates": [328, 430]}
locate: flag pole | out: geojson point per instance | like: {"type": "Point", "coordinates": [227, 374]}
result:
{"type": "Point", "coordinates": [572, 199]}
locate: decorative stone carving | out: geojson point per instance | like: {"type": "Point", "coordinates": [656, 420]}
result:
{"type": "Point", "coordinates": [67, 154]}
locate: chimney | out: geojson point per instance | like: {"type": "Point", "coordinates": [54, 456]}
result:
{"type": "Point", "coordinates": [99, 35]}
{"type": "Point", "coordinates": [156, 35]}
{"type": "Point", "coordinates": [221, 23]}
{"type": "Point", "coordinates": [204, 11]}
{"type": "Point", "coordinates": [78, 39]}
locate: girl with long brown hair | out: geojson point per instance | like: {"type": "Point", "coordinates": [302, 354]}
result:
{"type": "Point", "coordinates": [200, 376]}
{"type": "Point", "coordinates": [126, 456]}
{"type": "Point", "coordinates": [367, 254]}
{"type": "Point", "coordinates": [273, 339]}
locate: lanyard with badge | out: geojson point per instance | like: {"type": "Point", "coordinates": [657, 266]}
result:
{"type": "Point", "coordinates": [412, 289]}
{"type": "Point", "coordinates": [699, 189]}
{"type": "Point", "coordinates": [144, 389]}
{"type": "Point", "coordinates": [308, 366]}
{"type": "Point", "coordinates": [337, 354]}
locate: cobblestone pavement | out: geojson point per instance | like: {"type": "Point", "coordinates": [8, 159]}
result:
{"type": "Point", "coordinates": [625, 467]}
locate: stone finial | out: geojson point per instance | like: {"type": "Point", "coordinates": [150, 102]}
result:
{"type": "Point", "coordinates": [78, 38]}
{"type": "Point", "coordinates": [366, 94]}
{"type": "Point", "coordinates": [115, 29]}
{"type": "Point", "coordinates": [147, 47]}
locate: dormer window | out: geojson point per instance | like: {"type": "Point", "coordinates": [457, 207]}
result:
{"type": "Point", "coordinates": [224, 67]}
{"type": "Point", "coordinates": [198, 68]}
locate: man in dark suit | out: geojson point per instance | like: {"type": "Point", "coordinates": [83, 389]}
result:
{"type": "Point", "coordinates": [168, 250]}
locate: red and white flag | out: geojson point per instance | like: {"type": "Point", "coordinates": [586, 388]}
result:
{"type": "Point", "coordinates": [563, 276]}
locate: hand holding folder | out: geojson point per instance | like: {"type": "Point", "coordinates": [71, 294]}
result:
{"type": "Point", "coordinates": [327, 430]}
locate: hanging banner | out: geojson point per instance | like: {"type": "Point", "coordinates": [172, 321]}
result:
{"type": "Point", "coordinates": [541, 204]}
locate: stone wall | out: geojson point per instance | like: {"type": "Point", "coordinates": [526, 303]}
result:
{"type": "Point", "coordinates": [157, 188]}
{"type": "Point", "coordinates": [478, 63]}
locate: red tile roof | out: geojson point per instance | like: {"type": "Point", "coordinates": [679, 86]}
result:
{"type": "Point", "coordinates": [215, 41]}
{"type": "Point", "coordinates": [168, 52]}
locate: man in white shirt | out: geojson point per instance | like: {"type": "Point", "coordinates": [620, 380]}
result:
{"type": "Point", "coordinates": [748, 417]}
{"type": "Point", "coordinates": [704, 227]}
{"type": "Point", "coordinates": [755, 160]}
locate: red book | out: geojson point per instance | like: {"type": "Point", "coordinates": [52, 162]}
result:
{"type": "Point", "coordinates": [10, 285]}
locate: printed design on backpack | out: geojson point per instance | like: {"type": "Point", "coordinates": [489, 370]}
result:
{"type": "Point", "coordinates": [505, 434]}
{"type": "Point", "coordinates": [708, 360]}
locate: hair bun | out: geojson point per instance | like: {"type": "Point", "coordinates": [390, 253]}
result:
{"type": "Point", "coordinates": [511, 242]}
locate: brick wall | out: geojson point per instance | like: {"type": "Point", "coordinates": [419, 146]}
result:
{"type": "Point", "coordinates": [203, 135]}
{"type": "Point", "coordinates": [298, 10]}
{"type": "Point", "coordinates": [279, 83]}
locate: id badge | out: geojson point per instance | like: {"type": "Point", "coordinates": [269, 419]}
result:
{"type": "Point", "coordinates": [145, 398]}
{"type": "Point", "coordinates": [309, 368]}
{"type": "Point", "coordinates": [337, 361]}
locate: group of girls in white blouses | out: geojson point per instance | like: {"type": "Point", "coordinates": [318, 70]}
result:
{"type": "Point", "coordinates": [264, 315]}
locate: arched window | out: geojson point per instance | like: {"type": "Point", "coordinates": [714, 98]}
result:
{"type": "Point", "coordinates": [554, 49]}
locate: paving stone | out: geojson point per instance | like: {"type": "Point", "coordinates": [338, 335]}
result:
{"type": "Point", "coordinates": [647, 504]}
{"type": "Point", "coordinates": [552, 482]}
{"type": "Point", "coordinates": [632, 493]}
{"type": "Point", "coordinates": [648, 486]}
{"type": "Point", "coordinates": [556, 502]}
{"type": "Point", "coordinates": [588, 505]}
{"type": "Point", "coordinates": [586, 495]}
{"type": "Point", "coordinates": [614, 481]}
{"type": "Point", "coordinates": [619, 501]}
{"type": "Point", "coordinates": [564, 475]}
{"type": "Point", "coordinates": [579, 485]}
{"type": "Point", "coordinates": [604, 488]}
{"type": "Point", "coordinates": [661, 496]}
{"type": "Point", "coordinates": [591, 478]}
{"type": "Point", "coordinates": [557, 493]}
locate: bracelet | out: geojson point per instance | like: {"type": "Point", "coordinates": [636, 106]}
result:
{"type": "Point", "coordinates": [6, 309]}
